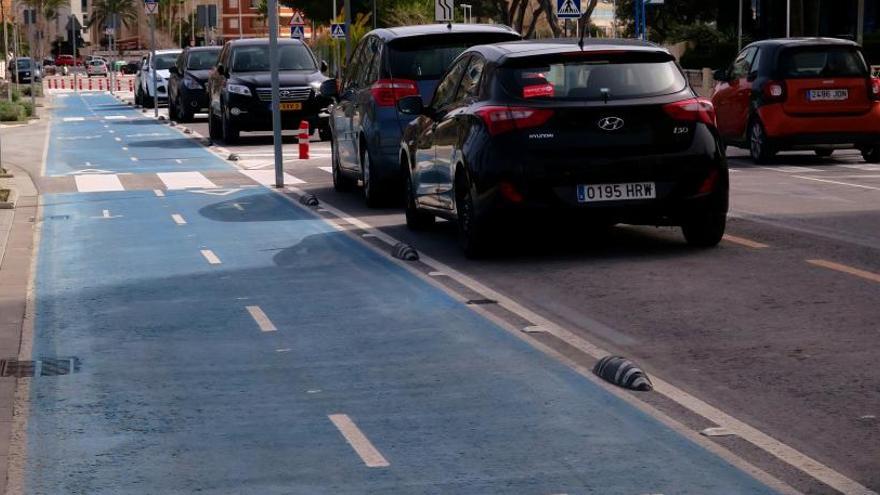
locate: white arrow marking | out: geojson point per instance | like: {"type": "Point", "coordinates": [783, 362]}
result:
{"type": "Point", "coordinates": [105, 215]}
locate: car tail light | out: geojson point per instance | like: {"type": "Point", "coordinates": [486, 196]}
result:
{"type": "Point", "coordinates": [774, 91]}
{"type": "Point", "coordinates": [510, 193]}
{"type": "Point", "coordinates": [875, 88]}
{"type": "Point", "coordinates": [386, 92]}
{"type": "Point", "coordinates": [692, 110]}
{"type": "Point", "coordinates": [500, 119]}
{"type": "Point", "coordinates": [708, 185]}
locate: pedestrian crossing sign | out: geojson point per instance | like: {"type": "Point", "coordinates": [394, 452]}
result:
{"type": "Point", "coordinates": [568, 9]}
{"type": "Point", "coordinates": [337, 31]}
{"type": "Point", "coordinates": [296, 31]}
{"type": "Point", "coordinates": [151, 7]}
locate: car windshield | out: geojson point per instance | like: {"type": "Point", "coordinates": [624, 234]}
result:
{"type": "Point", "coordinates": [604, 77]}
{"type": "Point", "coordinates": [427, 57]}
{"type": "Point", "coordinates": [165, 60]}
{"type": "Point", "coordinates": [256, 58]}
{"type": "Point", "coordinates": [823, 62]}
{"type": "Point", "coordinates": [24, 64]}
{"type": "Point", "coordinates": [202, 60]}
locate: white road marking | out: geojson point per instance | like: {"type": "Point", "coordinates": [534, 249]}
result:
{"type": "Point", "coordinates": [358, 441]}
{"type": "Point", "coordinates": [185, 180]}
{"type": "Point", "coordinates": [134, 159]}
{"type": "Point", "coordinates": [210, 256]}
{"type": "Point", "coordinates": [118, 139]}
{"type": "Point", "coordinates": [178, 219]}
{"type": "Point", "coordinates": [329, 170]}
{"type": "Point", "coordinates": [217, 192]}
{"type": "Point", "coordinates": [716, 432]}
{"type": "Point", "coordinates": [789, 169]}
{"type": "Point", "coordinates": [860, 186]}
{"type": "Point", "coordinates": [73, 119]}
{"type": "Point", "coordinates": [267, 177]}
{"type": "Point", "coordinates": [125, 148]}
{"type": "Point", "coordinates": [866, 167]}
{"type": "Point", "coordinates": [97, 183]}
{"type": "Point", "coordinates": [262, 320]}
{"type": "Point", "coordinates": [158, 192]}
{"type": "Point", "coordinates": [237, 206]}
{"type": "Point", "coordinates": [433, 274]}
{"type": "Point", "coordinates": [286, 349]}
{"type": "Point", "coordinates": [115, 117]}
{"type": "Point", "coordinates": [178, 160]}
{"type": "Point", "coordinates": [111, 131]}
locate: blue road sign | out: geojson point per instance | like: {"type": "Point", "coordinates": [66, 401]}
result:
{"type": "Point", "coordinates": [296, 31]}
{"type": "Point", "coordinates": [568, 9]}
{"type": "Point", "coordinates": [338, 30]}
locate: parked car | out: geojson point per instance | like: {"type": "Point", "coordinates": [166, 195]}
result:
{"type": "Point", "coordinates": [96, 67]}
{"type": "Point", "coordinates": [67, 60]}
{"type": "Point", "coordinates": [145, 93]}
{"type": "Point", "coordinates": [130, 68]}
{"type": "Point", "coordinates": [389, 64]}
{"type": "Point", "coordinates": [24, 70]}
{"type": "Point", "coordinates": [186, 87]}
{"type": "Point", "coordinates": [608, 133]}
{"type": "Point", "coordinates": [799, 93]}
{"type": "Point", "coordinates": [240, 92]}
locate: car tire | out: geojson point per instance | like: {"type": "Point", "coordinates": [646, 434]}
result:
{"type": "Point", "coordinates": [138, 97]}
{"type": "Point", "coordinates": [214, 129]}
{"type": "Point", "coordinates": [181, 113]}
{"type": "Point", "coordinates": [415, 218]}
{"type": "Point", "coordinates": [341, 183]}
{"type": "Point", "coordinates": [472, 237]}
{"type": "Point", "coordinates": [324, 133]}
{"type": "Point", "coordinates": [373, 194]}
{"type": "Point", "coordinates": [823, 153]}
{"type": "Point", "coordinates": [231, 133]}
{"type": "Point", "coordinates": [172, 109]}
{"type": "Point", "coordinates": [705, 230]}
{"type": "Point", "coordinates": [759, 147]}
{"type": "Point", "coordinates": [872, 154]}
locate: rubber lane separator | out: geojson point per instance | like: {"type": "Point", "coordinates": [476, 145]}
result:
{"type": "Point", "coordinates": [262, 320]}
{"type": "Point", "coordinates": [744, 242]}
{"type": "Point", "coordinates": [874, 277]}
{"type": "Point", "coordinates": [210, 256]}
{"type": "Point", "coordinates": [358, 441]}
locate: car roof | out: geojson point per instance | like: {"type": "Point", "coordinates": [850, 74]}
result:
{"type": "Point", "coordinates": [163, 52]}
{"type": "Point", "coordinates": [263, 41]}
{"type": "Point", "coordinates": [794, 42]}
{"type": "Point", "coordinates": [516, 49]}
{"type": "Point", "coordinates": [388, 34]}
{"type": "Point", "coordinates": [215, 48]}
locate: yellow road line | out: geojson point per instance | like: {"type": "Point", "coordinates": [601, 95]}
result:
{"type": "Point", "coordinates": [742, 241]}
{"type": "Point", "coordinates": [846, 269]}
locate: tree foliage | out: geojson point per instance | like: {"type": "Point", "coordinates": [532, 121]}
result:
{"type": "Point", "coordinates": [664, 21]}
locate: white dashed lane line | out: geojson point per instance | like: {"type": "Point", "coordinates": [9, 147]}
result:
{"type": "Point", "coordinates": [262, 320]}
{"type": "Point", "coordinates": [178, 219]}
{"type": "Point", "coordinates": [358, 441]}
{"type": "Point", "coordinates": [210, 256]}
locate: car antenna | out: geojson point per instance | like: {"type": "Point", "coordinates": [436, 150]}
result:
{"type": "Point", "coordinates": [604, 92]}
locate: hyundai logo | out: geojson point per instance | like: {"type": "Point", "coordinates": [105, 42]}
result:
{"type": "Point", "coordinates": [610, 123]}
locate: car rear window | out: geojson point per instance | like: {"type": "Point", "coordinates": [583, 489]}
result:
{"type": "Point", "coordinates": [427, 57]}
{"type": "Point", "coordinates": [256, 58]}
{"type": "Point", "coordinates": [823, 61]}
{"type": "Point", "coordinates": [202, 60]}
{"type": "Point", "coordinates": [592, 76]}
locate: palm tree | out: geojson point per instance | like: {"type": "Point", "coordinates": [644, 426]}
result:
{"type": "Point", "coordinates": [103, 10]}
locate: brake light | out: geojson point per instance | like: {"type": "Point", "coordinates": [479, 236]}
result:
{"type": "Point", "coordinates": [500, 119]}
{"type": "Point", "coordinates": [709, 184]}
{"type": "Point", "coordinates": [875, 88]}
{"type": "Point", "coordinates": [692, 110]}
{"type": "Point", "coordinates": [538, 90]}
{"type": "Point", "coordinates": [774, 92]}
{"type": "Point", "coordinates": [386, 92]}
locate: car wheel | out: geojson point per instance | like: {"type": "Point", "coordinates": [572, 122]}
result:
{"type": "Point", "coordinates": [872, 154]}
{"type": "Point", "coordinates": [758, 146]}
{"type": "Point", "coordinates": [340, 182]}
{"type": "Point", "coordinates": [138, 97]}
{"type": "Point", "coordinates": [172, 109]}
{"type": "Point", "coordinates": [824, 153]}
{"type": "Point", "coordinates": [472, 237]}
{"type": "Point", "coordinates": [704, 230]}
{"type": "Point", "coordinates": [372, 190]}
{"type": "Point", "coordinates": [213, 127]}
{"type": "Point", "coordinates": [415, 218]}
{"type": "Point", "coordinates": [324, 133]}
{"type": "Point", "coordinates": [230, 131]}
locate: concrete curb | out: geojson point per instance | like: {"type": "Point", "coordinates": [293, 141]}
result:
{"type": "Point", "coordinates": [9, 204]}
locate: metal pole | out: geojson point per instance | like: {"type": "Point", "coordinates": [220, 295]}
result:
{"type": "Point", "coordinates": [73, 42]}
{"type": "Point", "coordinates": [240, 28]}
{"type": "Point", "coordinates": [192, 23]}
{"type": "Point", "coordinates": [276, 96]}
{"type": "Point", "coordinates": [17, 44]}
{"type": "Point", "coordinates": [375, 19]}
{"type": "Point", "coordinates": [33, 62]}
{"type": "Point", "coordinates": [860, 22]}
{"type": "Point", "coordinates": [153, 65]}
{"type": "Point", "coordinates": [347, 29]}
{"type": "Point", "coordinates": [6, 55]}
{"type": "Point", "coordinates": [739, 31]}
{"type": "Point", "coordinates": [788, 18]}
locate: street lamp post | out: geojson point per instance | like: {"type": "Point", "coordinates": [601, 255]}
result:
{"type": "Point", "coordinates": [739, 29]}
{"type": "Point", "coordinates": [788, 18]}
{"type": "Point", "coordinates": [276, 94]}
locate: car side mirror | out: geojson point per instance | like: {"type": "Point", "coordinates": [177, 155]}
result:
{"type": "Point", "coordinates": [324, 67]}
{"type": "Point", "coordinates": [720, 75]}
{"type": "Point", "coordinates": [329, 89]}
{"type": "Point", "coordinates": [411, 105]}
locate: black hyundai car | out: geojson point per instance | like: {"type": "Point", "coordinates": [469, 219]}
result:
{"type": "Point", "coordinates": [240, 91]}
{"type": "Point", "coordinates": [610, 132]}
{"type": "Point", "coordinates": [186, 84]}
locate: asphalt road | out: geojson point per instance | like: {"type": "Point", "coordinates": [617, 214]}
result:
{"type": "Point", "coordinates": [751, 327]}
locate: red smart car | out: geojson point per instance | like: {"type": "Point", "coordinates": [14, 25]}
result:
{"type": "Point", "coordinates": [799, 93]}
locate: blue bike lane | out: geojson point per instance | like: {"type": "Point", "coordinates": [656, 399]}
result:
{"type": "Point", "coordinates": [230, 342]}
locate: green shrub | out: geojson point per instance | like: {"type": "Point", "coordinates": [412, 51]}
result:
{"type": "Point", "coordinates": [709, 46]}
{"type": "Point", "coordinates": [11, 112]}
{"type": "Point", "coordinates": [28, 108]}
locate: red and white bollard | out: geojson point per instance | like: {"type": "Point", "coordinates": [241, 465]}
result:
{"type": "Point", "coordinates": [303, 140]}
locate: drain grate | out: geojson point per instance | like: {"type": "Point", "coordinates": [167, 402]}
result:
{"type": "Point", "coordinates": [43, 367]}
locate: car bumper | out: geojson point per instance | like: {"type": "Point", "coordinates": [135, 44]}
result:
{"type": "Point", "coordinates": [195, 100]}
{"type": "Point", "coordinates": [256, 115]}
{"type": "Point", "coordinates": [793, 131]}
